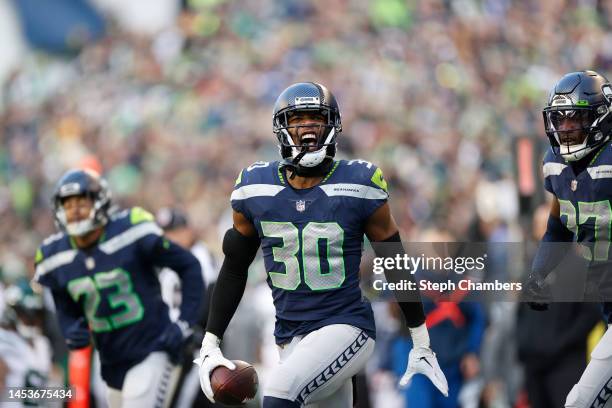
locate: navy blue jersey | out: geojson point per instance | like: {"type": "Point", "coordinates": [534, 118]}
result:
{"type": "Point", "coordinates": [112, 290]}
{"type": "Point", "coordinates": [312, 240]}
{"type": "Point", "coordinates": [586, 209]}
{"type": "Point", "coordinates": [584, 199]}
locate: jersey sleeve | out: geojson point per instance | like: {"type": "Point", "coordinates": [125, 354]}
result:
{"type": "Point", "coordinates": [548, 167]}
{"type": "Point", "coordinates": [43, 270]}
{"type": "Point", "coordinates": [547, 180]}
{"type": "Point", "coordinates": [144, 230]}
{"type": "Point", "coordinates": [164, 253]}
{"type": "Point", "coordinates": [376, 192]}
{"type": "Point", "coordinates": [72, 321]}
{"type": "Point", "coordinates": [187, 267]}
{"type": "Point", "coordinates": [239, 194]}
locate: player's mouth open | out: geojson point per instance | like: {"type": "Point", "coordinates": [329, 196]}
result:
{"type": "Point", "coordinates": [310, 140]}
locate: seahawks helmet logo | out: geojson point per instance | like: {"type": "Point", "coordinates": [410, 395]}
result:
{"type": "Point", "coordinates": [560, 100]}
{"type": "Point", "coordinates": [307, 100]}
{"type": "Point", "coordinates": [70, 189]}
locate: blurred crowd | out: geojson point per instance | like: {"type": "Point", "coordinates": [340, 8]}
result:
{"type": "Point", "coordinates": [434, 92]}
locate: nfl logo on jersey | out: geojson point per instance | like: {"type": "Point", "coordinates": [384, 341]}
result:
{"type": "Point", "coordinates": [300, 205]}
{"type": "Point", "coordinates": [574, 185]}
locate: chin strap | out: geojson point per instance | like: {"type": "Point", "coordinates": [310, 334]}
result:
{"type": "Point", "coordinates": [297, 170]}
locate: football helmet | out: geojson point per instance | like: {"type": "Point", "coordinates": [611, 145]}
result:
{"type": "Point", "coordinates": [577, 117]}
{"type": "Point", "coordinates": [307, 97]}
{"type": "Point", "coordinates": [24, 309]}
{"type": "Point", "coordinates": [82, 183]}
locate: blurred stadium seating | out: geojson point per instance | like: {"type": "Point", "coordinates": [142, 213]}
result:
{"type": "Point", "coordinates": [437, 93]}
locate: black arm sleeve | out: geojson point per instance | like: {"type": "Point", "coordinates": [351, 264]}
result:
{"type": "Point", "coordinates": [239, 253]}
{"type": "Point", "coordinates": [412, 309]}
{"type": "Point", "coordinates": [555, 245]}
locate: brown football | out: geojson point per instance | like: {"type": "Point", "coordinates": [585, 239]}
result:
{"type": "Point", "coordinates": [234, 387]}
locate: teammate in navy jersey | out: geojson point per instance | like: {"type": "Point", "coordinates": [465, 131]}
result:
{"type": "Point", "coordinates": [309, 214]}
{"type": "Point", "coordinates": [578, 122]}
{"type": "Point", "coordinates": [101, 270]}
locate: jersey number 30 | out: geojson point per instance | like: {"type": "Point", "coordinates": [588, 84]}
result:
{"type": "Point", "coordinates": [288, 253]}
{"type": "Point", "coordinates": [123, 297]}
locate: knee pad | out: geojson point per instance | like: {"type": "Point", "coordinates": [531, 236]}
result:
{"type": "Point", "coordinates": [273, 402]}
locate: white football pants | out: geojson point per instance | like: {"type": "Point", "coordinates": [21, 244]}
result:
{"type": "Point", "coordinates": [594, 389]}
{"type": "Point", "coordinates": [149, 384]}
{"type": "Point", "coordinates": [316, 369]}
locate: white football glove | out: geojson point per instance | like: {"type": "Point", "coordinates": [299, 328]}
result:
{"type": "Point", "coordinates": [210, 358]}
{"type": "Point", "coordinates": [423, 361]}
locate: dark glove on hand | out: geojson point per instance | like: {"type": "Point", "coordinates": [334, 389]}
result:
{"type": "Point", "coordinates": [537, 293]}
{"type": "Point", "coordinates": [77, 335]}
{"type": "Point", "coordinates": [174, 339]}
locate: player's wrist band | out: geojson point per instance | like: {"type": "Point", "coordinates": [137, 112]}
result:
{"type": "Point", "coordinates": [412, 310]}
{"type": "Point", "coordinates": [420, 336]}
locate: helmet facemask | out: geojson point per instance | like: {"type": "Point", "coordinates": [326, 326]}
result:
{"type": "Point", "coordinates": [99, 195]}
{"type": "Point", "coordinates": [77, 228]}
{"type": "Point", "coordinates": [577, 119]}
{"type": "Point", "coordinates": [315, 141]}
{"type": "Point", "coordinates": [574, 131]}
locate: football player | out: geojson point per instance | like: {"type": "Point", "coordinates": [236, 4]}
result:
{"type": "Point", "coordinates": [25, 353]}
{"type": "Point", "coordinates": [309, 213]}
{"type": "Point", "coordinates": [101, 269]}
{"type": "Point", "coordinates": [578, 122]}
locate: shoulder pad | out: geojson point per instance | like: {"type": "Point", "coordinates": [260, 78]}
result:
{"type": "Point", "coordinates": [50, 245]}
{"type": "Point", "coordinates": [366, 173]}
{"type": "Point", "coordinates": [604, 157]}
{"type": "Point", "coordinates": [552, 164]}
{"type": "Point", "coordinates": [120, 214]}
{"type": "Point", "coordinates": [550, 157]}
{"type": "Point", "coordinates": [52, 238]}
{"type": "Point", "coordinates": [39, 255]}
{"type": "Point", "coordinates": [138, 215]}
{"type": "Point", "coordinates": [259, 173]}
{"type": "Point", "coordinates": [49, 258]}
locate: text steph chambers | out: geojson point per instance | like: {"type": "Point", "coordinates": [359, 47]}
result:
{"type": "Point", "coordinates": [446, 286]}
